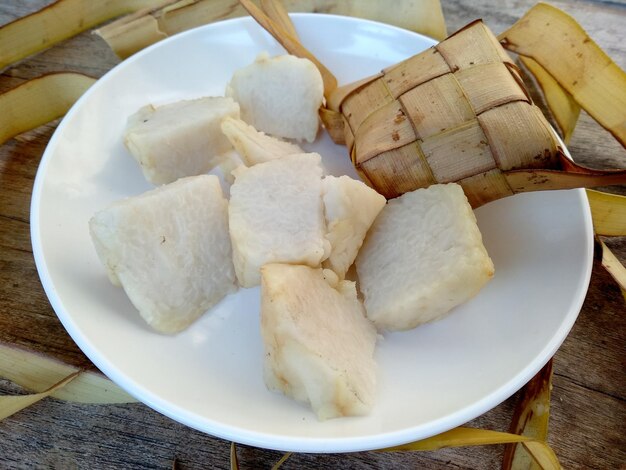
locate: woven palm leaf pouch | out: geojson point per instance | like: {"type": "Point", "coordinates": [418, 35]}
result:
{"type": "Point", "coordinates": [457, 112]}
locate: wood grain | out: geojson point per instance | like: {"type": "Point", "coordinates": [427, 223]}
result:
{"type": "Point", "coordinates": [588, 421]}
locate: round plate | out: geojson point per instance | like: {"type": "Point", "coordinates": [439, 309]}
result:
{"type": "Point", "coordinates": [209, 377]}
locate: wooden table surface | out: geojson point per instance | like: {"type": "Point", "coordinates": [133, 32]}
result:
{"type": "Point", "coordinates": [588, 419]}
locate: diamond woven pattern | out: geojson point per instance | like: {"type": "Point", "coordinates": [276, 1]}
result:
{"type": "Point", "coordinates": [458, 111]}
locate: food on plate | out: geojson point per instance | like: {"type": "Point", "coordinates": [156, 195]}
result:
{"type": "Point", "coordinates": [350, 208]}
{"type": "Point", "coordinates": [179, 139]}
{"type": "Point", "coordinates": [422, 257]}
{"type": "Point", "coordinates": [279, 95]}
{"type": "Point", "coordinates": [276, 215]}
{"type": "Point", "coordinates": [318, 344]}
{"type": "Point", "coordinates": [254, 146]}
{"type": "Point", "coordinates": [169, 249]}
{"type": "Point", "coordinates": [177, 250]}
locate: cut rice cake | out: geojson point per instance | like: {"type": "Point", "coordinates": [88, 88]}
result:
{"type": "Point", "coordinates": [254, 146]}
{"type": "Point", "coordinates": [279, 95]}
{"type": "Point", "coordinates": [276, 215]}
{"type": "Point", "coordinates": [179, 139]}
{"type": "Point", "coordinates": [350, 208]}
{"type": "Point", "coordinates": [319, 346]}
{"type": "Point", "coordinates": [169, 249]}
{"type": "Point", "coordinates": [423, 256]}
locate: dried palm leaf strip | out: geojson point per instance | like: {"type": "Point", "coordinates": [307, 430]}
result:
{"type": "Point", "coordinates": [567, 175]}
{"type": "Point", "coordinates": [561, 46]}
{"type": "Point", "coordinates": [530, 419]}
{"type": "Point", "coordinates": [278, 13]}
{"type": "Point", "coordinates": [11, 404]}
{"type": "Point", "coordinates": [608, 212]}
{"type": "Point", "coordinates": [234, 461]}
{"type": "Point", "coordinates": [37, 372]}
{"type": "Point", "coordinates": [543, 456]}
{"type": "Point", "coordinates": [464, 436]}
{"type": "Point", "coordinates": [561, 104]}
{"type": "Point", "coordinates": [614, 267]}
{"type": "Point", "coordinates": [39, 101]}
{"type": "Point", "coordinates": [44, 28]}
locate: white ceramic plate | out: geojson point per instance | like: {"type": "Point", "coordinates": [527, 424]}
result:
{"type": "Point", "coordinates": [209, 377]}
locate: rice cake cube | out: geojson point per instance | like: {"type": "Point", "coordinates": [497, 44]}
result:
{"type": "Point", "coordinates": [319, 347]}
{"type": "Point", "coordinates": [276, 215]}
{"type": "Point", "coordinates": [179, 139]}
{"type": "Point", "coordinates": [350, 207]}
{"type": "Point", "coordinates": [169, 249]}
{"type": "Point", "coordinates": [423, 256]}
{"type": "Point", "coordinates": [279, 95]}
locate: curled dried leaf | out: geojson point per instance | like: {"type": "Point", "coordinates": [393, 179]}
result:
{"type": "Point", "coordinates": [561, 46]}
{"type": "Point", "coordinates": [39, 101]}
{"type": "Point", "coordinates": [608, 212]}
{"type": "Point", "coordinates": [9, 405]}
{"type": "Point", "coordinates": [530, 418]}
{"type": "Point", "coordinates": [562, 105]}
{"type": "Point", "coordinates": [463, 436]}
{"type": "Point", "coordinates": [36, 372]}
{"type": "Point", "coordinates": [42, 29]}
{"type": "Point", "coordinates": [614, 267]}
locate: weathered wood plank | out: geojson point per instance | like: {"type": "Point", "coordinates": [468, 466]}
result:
{"type": "Point", "coordinates": [588, 424]}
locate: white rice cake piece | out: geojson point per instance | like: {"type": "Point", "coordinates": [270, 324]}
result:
{"type": "Point", "coordinates": [423, 256]}
{"type": "Point", "coordinates": [279, 95]}
{"type": "Point", "coordinates": [179, 139]}
{"type": "Point", "coordinates": [319, 347]}
{"type": "Point", "coordinates": [276, 215]}
{"type": "Point", "coordinates": [169, 249]}
{"type": "Point", "coordinates": [350, 207]}
{"type": "Point", "coordinates": [254, 146]}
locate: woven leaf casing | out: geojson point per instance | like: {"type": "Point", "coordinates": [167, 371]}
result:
{"type": "Point", "coordinates": [455, 112]}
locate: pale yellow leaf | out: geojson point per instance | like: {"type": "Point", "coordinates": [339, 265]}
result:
{"type": "Point", "coordinates": [281, 461]}
{"type": "Point", "coordinates": [614, 267]}
{"type": "Point", "coordinates": [9, 405]}
{"type": "Point", "coordinates": [544, 456]}
{"type": "Point", "coordinates": [562, 105]}
{"type": "Point", "coordinates": [530, 419]}
{"type": "Point", "coordinates": [39, 101]}
{"type": "Point", "coordinates": [36, 372]}
{"type": "Point", "coordinates": [608, 212]}
{"type": "Point", "coordinates": [562, 47]}
{"type": "Point", "coordinates": [234, 462]}
{"type": "Point", "coordinates": [56, 22]}
{"type": "Point", "coordinates": [462, 437]}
